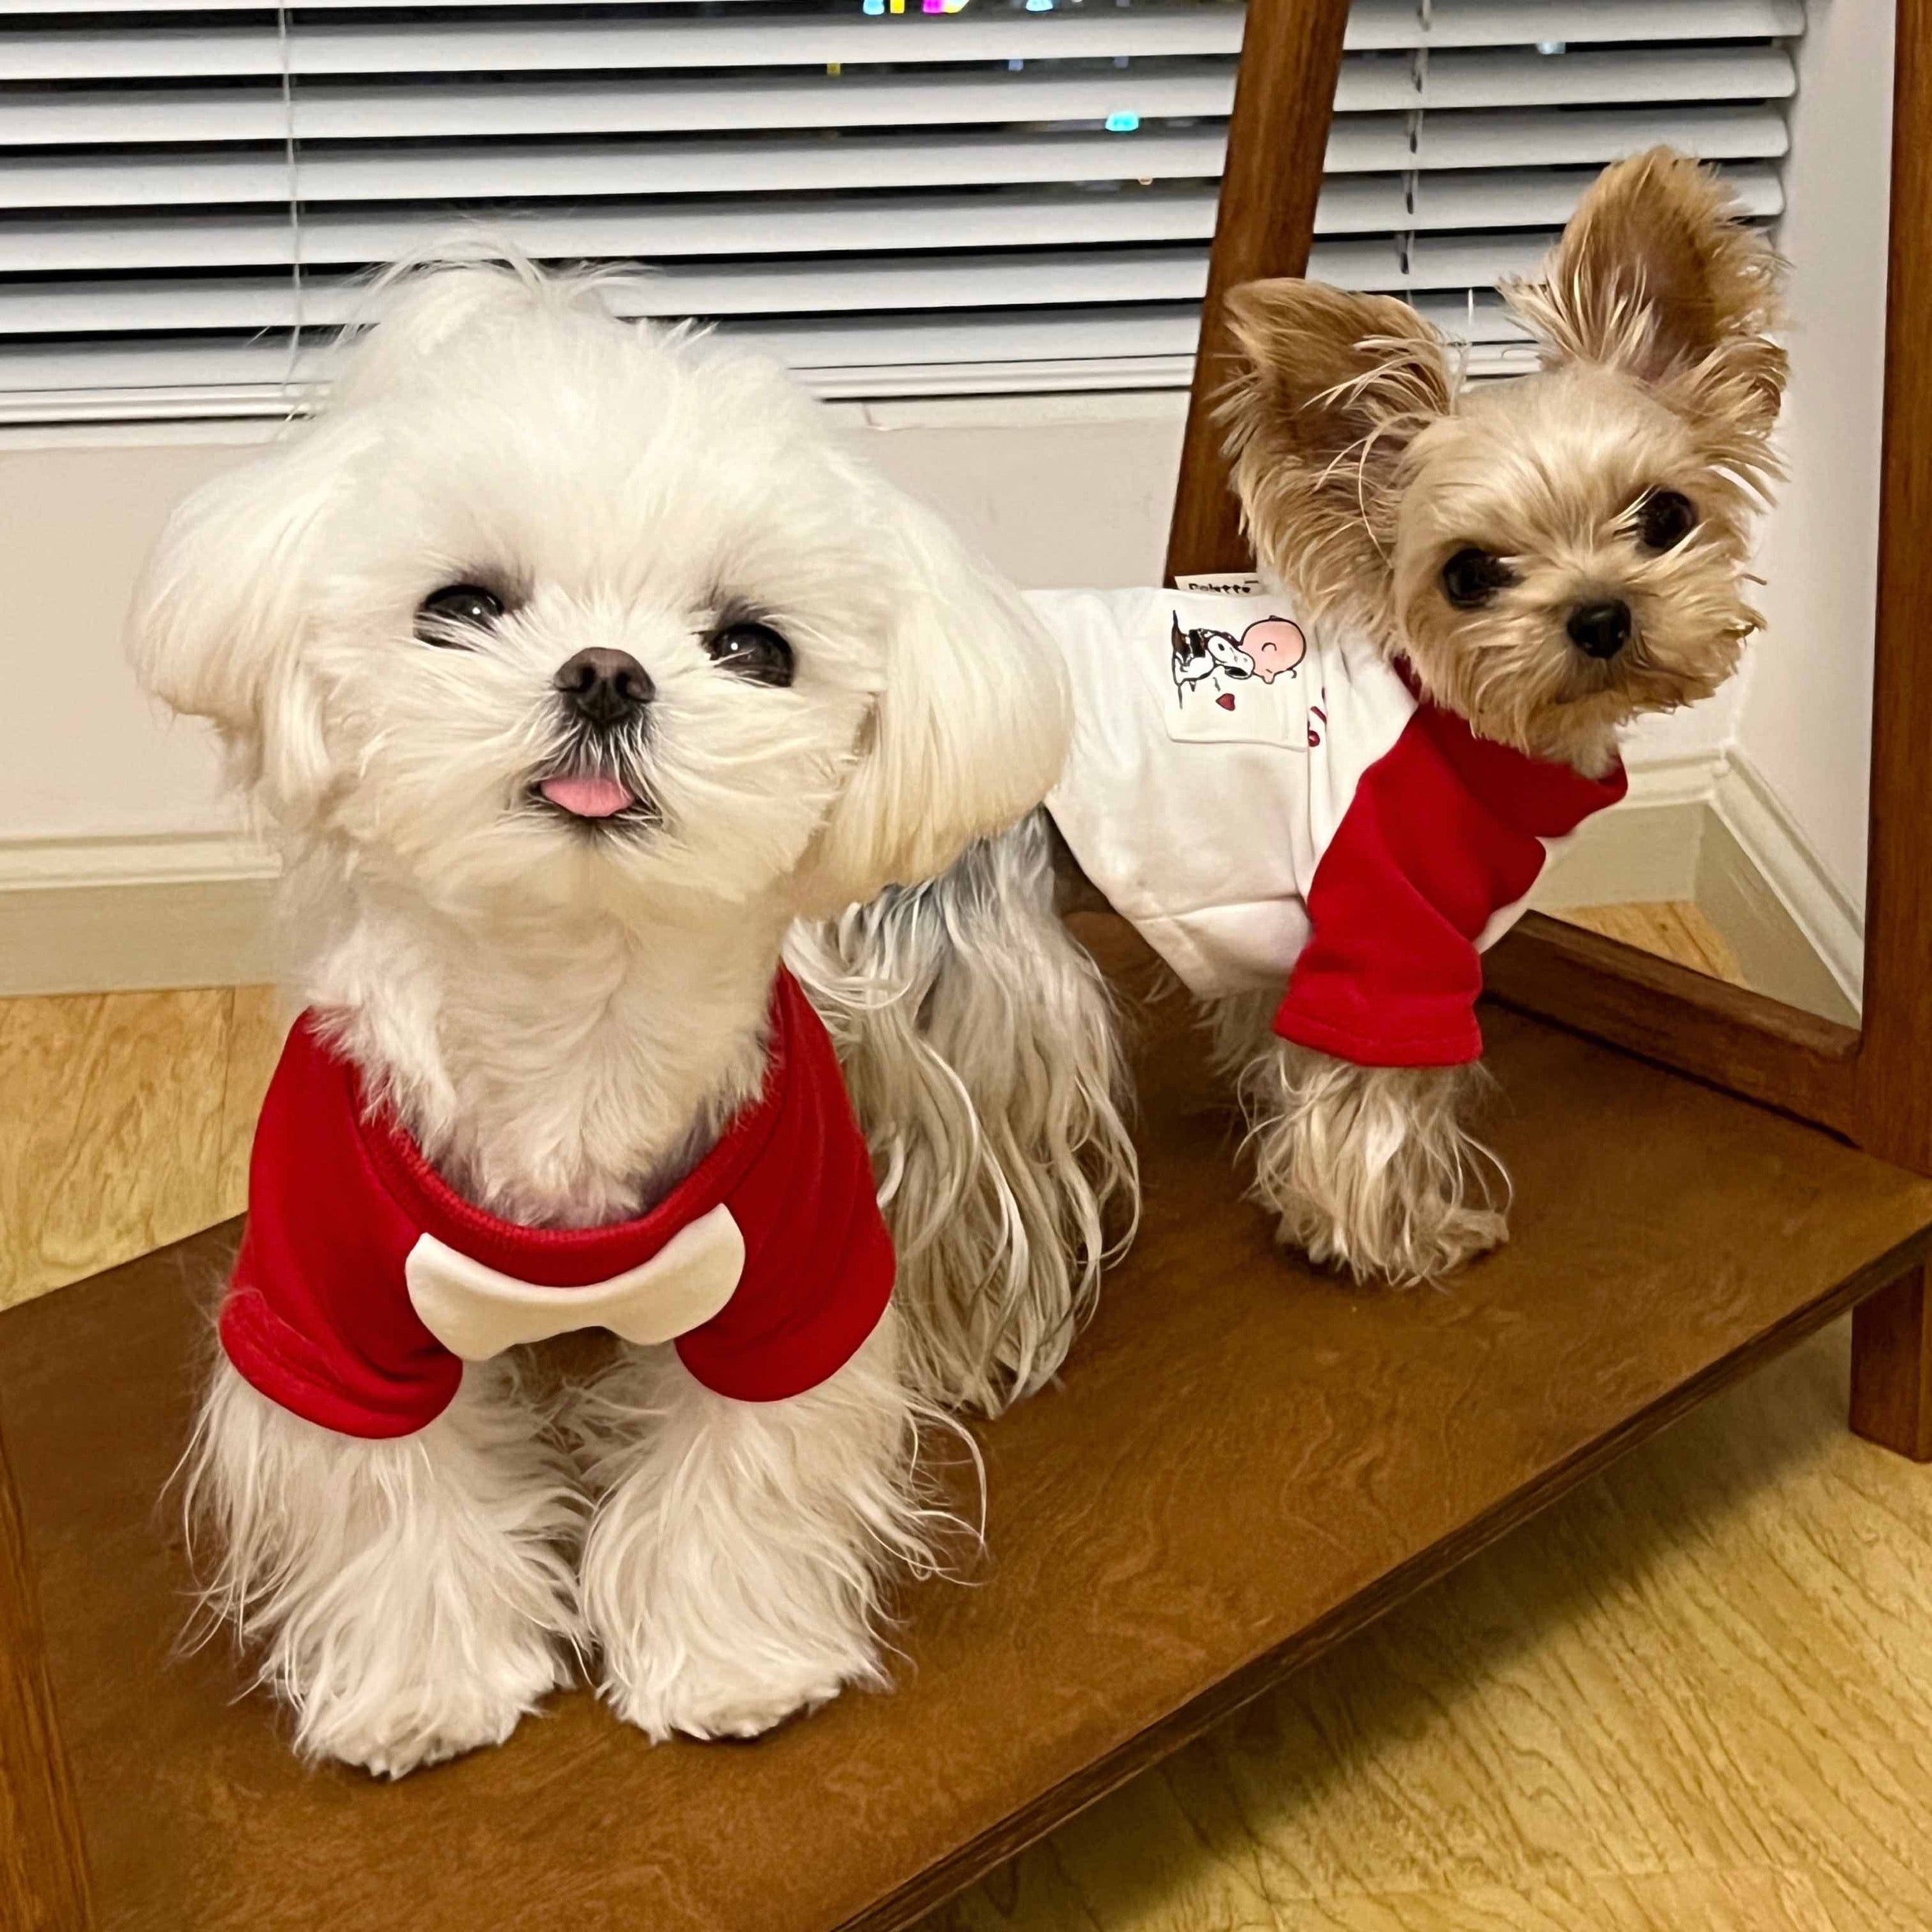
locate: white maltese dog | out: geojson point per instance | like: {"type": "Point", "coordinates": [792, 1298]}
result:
{"type": "Point", "coordinates": [571, 661]}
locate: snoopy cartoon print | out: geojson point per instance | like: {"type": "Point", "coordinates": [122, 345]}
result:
{"type": "Point", "coordinates": [1238, 689]}
{"type": "Point", "coordinates": [1208, 662]}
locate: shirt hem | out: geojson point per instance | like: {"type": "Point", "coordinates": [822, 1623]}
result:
{"type": "Point", "coordinates": [1458, 1049]}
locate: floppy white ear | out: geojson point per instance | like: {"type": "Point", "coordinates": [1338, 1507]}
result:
{"type": "Point", "coordinates": [218, 621]}
{"type": "Point", "coordinates": [970, 730]}
{"type": "Point", "coordinates": [220, 613]}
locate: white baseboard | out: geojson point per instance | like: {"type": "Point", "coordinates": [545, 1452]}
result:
{"type": "Point", "coordinates": [117, 915]}
{"type": "Point", "coordinates": [1705, 827]}
{"type": "Point", "coordinates": [1647, 849]}
{"type": "Point", "coordinates": [1783, 862]}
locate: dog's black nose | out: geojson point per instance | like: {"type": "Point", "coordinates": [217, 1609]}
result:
{"type": "Point", "coordinates": [1602, 630]}
{"type": "Point", "coordinates": [605, 687]}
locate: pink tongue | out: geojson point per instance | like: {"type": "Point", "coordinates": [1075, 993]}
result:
{"type": "Point", "coordinates": [589, 798]}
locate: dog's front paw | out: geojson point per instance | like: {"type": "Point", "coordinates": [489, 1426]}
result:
{"type": "Point", "coordinates": [1371, 1168]}
{"type": "Point", "coordinates": [390, 1724]}
{"type": "Point", "coordinates": [1446, 1233]}
{"type": "Point", "coordinates": [1429, 1236]}
{"type": "Point", "coordinates": [717, 1696]}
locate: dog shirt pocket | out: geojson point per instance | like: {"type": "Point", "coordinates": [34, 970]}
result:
{"type": "Point", "coordinates": [1239, 672]}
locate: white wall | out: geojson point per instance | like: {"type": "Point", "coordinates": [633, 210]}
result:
{"type": "Point", "coordinates": [1804, 729]}
{"type": "Point", "coordinates": [83, 754]}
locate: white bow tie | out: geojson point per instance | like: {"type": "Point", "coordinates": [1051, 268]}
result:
{"type": "Point", "coordinates": [476, 1313]}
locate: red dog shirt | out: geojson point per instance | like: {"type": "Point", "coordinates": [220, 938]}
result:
{"type": "Point", "coordinates": [364, 1281]}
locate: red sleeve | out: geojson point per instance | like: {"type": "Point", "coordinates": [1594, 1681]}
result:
{"type": "Point", "coordinates": [818, 1261]}
{"type": "Point", "coordinates": [1444, 831]}
{"type": "Point", "coordinates": [318, 1315]}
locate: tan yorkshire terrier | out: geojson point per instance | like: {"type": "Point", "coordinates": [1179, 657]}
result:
{"type": "Point", "coordinates": [1320, 799]}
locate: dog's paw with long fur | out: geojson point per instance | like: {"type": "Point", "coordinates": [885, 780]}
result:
{"type": "Point", "coordinates": [1371, 1168]}
{"type": "Point", "coordinates": [693, 1683]}
{"type": "Point", "coordinates": [409, 1601]}
{"type": "Point", "coordinates": [740, 1553]}
{"type": "Point", "coordinates": [389, 1730]}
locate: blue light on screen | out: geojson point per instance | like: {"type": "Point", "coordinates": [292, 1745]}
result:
{"type": "Point", "coordinates": [1122, 122]}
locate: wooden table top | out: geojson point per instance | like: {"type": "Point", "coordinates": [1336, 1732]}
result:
{"type": "Point", "coordinates": [1246, 1461]}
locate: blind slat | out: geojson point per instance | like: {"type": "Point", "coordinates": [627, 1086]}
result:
{"type": "Point", "coordinates": [1364, 144]}
{"type": "Point", "coordinates": [1369, 84]}
{"type": "Point", "coordinates": [1146, 32]}
{"type": "Point", "coordinates": [327, 112]}
{"type": "Point", "coordinates": [781, 225]}
{"type": "Point", "coordinates": [793, 225]}
{"type": "Point", "coordinates": [537, 44]}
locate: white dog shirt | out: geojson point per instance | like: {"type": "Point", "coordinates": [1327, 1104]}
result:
{"type": "Point", "coordinates": [1268, 801]}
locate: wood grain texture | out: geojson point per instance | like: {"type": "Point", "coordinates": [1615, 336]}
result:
{"type": "Point", "coordinates": [1680, 1018]}
{"type": "Point", "coordinates": [1891, 1368]}
{"type": "Point", "coordinates": [125, 1124]}
{"type": "Point", "coordinates": [1895, 1068]}
{"type": "Point", "coordinates": [1675, 928]}
{"type": "Point", "coordinates": [43, 1865]}
{"type": "Point", "coordinates": [1695, 1696]}
{"type": "Point", "coordinates": [1245, 1462]}
{"type": "Point", "coordinates": [1271, 180]}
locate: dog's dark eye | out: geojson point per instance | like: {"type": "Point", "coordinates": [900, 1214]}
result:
{"type": "Point", "coordinates": [457, 608]}
{"type": "Point", "coordinates": [753, 651]}
{"type": "Point", "coordinates": [1664, 520]}
{"type": "Point", "coordinates": [1472, 577]}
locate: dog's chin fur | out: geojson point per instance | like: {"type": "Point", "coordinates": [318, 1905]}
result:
{"type": "Point", "coordinates": [565, 1013]}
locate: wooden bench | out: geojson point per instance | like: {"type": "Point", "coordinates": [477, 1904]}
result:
{"type": "Point", "coordinates": [1246, 1462]}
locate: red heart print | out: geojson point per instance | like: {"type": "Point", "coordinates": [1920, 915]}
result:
{"type": "Point", "coordinates": [1226, 700]}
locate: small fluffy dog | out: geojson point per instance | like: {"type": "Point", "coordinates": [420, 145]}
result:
{"type": "Point", "coordinates": [571, 661]}
{"type": "Point", "coordinates": [1476, 587]}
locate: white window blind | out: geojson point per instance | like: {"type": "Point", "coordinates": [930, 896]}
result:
{"type": "Point", "coordinates": [897, 198]}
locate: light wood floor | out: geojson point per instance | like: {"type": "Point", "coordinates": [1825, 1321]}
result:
{"type": "Point", "coordinates": [1695, 1697]}
{"type": "Point", "coordinates": [1678, 929]}
{"type": "Point", "coordinates": [124, 1124]}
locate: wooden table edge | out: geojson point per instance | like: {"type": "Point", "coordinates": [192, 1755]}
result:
{"type": "Point", "coordinates": [971, 1861]}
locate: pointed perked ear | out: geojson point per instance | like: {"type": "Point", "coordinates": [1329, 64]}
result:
{"type": "Point", "coordinates": [1658, 273]}
{"type": "Point", "coordinates": [1331, 389]}
{"type": "Point", "coordinates": [970, 730]}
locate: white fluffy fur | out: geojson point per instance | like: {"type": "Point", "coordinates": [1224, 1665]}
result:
{"type": "Point", "coordinates": [564, 1014]}
{"type": "Point", "coordinates": [360, 1569]}
{"type": "Point", "coordinates": [980, 1044]}
{"type": "Point", "coordinates": [736, 1562]}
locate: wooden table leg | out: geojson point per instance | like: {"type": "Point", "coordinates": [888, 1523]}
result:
{"type": "Point", "coordinates": [43, 1868]}
{"type": "Point", "coordinates": [1892, 1366]}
